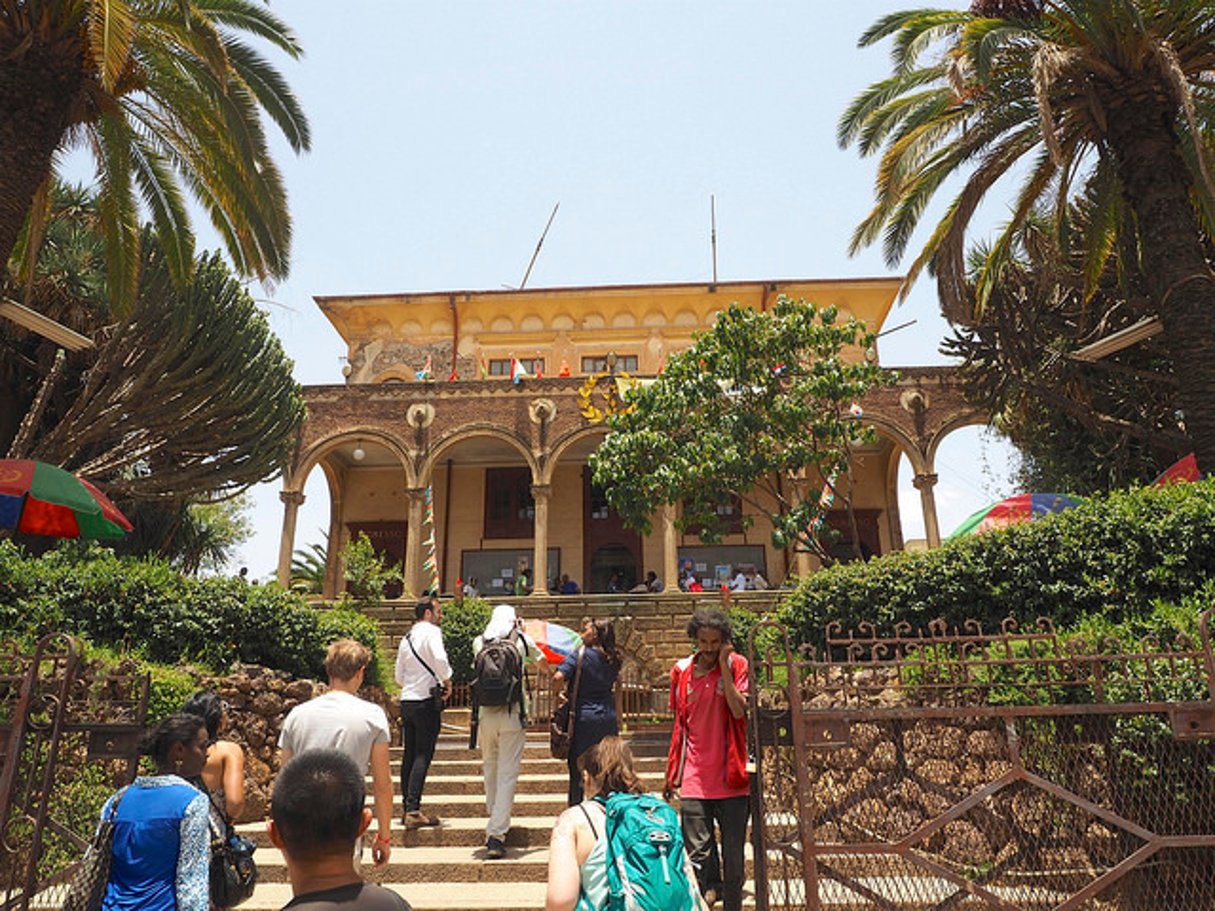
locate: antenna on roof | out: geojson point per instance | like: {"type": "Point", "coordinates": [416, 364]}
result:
{"type": "Point", "coordinates": [539, 244]}
{"type": "Point", "coordinates": [713, 233]}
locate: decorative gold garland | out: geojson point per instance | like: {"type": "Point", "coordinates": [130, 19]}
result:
{"type": "Point", "coordinates": [612, 404]}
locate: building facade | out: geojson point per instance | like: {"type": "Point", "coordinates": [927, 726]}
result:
{"type": "Point", "coordinates": [459, 442]}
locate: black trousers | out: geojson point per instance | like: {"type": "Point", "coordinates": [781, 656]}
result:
{"type": "Point", "coordinates": [419, 733]}
{"type": "Point", "coordinates": [723, 874]}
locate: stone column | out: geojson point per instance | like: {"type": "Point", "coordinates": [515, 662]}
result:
{"type": "Point", "coordinates": [924, 483]}
{"type": "Point", "coordinates": [412, 570]}
{"type": "Point", "coordinates": [333, 555]}
{"type": "Point", "coordinates": [540, 495]}
{"type": "Point", "coordinates": [292, 500]}
{"type": "Point", "coordinates": [670, 549]}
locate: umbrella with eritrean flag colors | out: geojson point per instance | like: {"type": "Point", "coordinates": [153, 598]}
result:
{"type": "Point", "coordinates": [556, 642]}
{"type": "Point", "coordinates": [41, 499]}
{"type": "Point", "coordinates": [1022, 507]}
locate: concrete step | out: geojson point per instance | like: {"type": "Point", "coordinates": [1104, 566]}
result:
{"type": "Point", "coordinates": [655, 765]}
{"type": "Point", "coordinates": [464, 831]}
{"type": "Point", "coordinates": [441, 864]}
{"type": "Point", "coordinates": [536, 783]}
{"type": "Point", "coordinates": [444, 896]}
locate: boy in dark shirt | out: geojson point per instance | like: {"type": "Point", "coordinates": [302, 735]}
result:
{"type": "Point", "coordinates": [317, 813]}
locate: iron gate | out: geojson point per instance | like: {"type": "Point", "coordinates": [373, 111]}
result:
{"type": "Point", "coordinates": [67, 738]}
{"type": "Point", "coordinates": [956, 769]}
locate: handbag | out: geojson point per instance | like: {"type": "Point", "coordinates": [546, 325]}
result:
{"type": "Point", "coordinates": [561, 726]}
{"type": "Point", "coordinates": [233, 872]}
{"type": "Point", "coordinates": [436, 691]}
{"type": "Point", "coordinates": [93, 875]}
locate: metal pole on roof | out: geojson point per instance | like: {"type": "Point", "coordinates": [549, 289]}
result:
{"type": "Point", "coordinates": [539, 244]}
{"type": "Point", "coordinates": [713, 232]}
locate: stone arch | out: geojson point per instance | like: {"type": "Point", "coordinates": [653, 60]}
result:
{"type": "Point", "coordinates": [474, 431]}
{"type": "Point", "coordinates": [957, 422]}
{"type": "Point", "coordinates": [294, 482]}
{"type": "Point", "coordinates": [562, 445]}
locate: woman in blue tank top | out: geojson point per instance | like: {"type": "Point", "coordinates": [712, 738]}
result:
{"type": "Point", "coordinates": [162, 847]}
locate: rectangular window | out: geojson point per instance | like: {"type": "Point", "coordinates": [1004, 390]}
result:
{"type": "Point", "coordinates": [509, 507]}
{"type": "Point", "coordinates": [625, 363]}
{"type": "Point", "coordinates": [729, 519]}
{"type": "Point", "coordinates": [500, 366]}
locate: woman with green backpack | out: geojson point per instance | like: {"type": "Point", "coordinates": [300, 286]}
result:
{"type": "Point", "coordinates": [618, 820]}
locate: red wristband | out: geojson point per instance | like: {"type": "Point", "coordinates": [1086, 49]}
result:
{"type": "Point", "coordinates": [381, 840]}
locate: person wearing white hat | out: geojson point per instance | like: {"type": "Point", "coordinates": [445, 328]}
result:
{"type": "Point", "coordinates": [501, 720]}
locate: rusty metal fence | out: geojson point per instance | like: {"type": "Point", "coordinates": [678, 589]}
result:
{"type": "Point", "coordinates": [67, 738]}
{"type": "Point", "coordinates": [960, 769]}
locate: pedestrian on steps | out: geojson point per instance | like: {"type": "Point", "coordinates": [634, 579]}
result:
{"type": "Point", "coordinates": [424, 675]}
{"type": "Point", "coordinates": [707, 760]}
{"type": "Point", "coordinates": [340, 720]}
{"type": "Point", "coordinates": [594, 708]}
{"type": "Point", "coordinates": [500, 701]}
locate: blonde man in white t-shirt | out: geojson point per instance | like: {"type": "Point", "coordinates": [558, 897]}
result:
{"type": "Point", "coordinates": [340, 720]}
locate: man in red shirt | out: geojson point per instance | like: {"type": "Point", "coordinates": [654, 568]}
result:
{"type": "Point", "coordinates": [707, 760]}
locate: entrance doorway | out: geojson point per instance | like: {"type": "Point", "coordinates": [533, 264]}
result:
{"type": "Point", "coordinates": [608, 547]}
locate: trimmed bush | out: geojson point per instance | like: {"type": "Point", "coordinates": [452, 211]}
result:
{"type": "Point", "coordinates": [146, 607]}
{"type": "Point", "coordinates": [461, 624]}
{"type": "Point", "coordinates": [1112, 557]}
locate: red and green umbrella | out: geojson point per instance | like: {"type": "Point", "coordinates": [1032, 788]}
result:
{"type": "Point", "coordinates": [1022, 507]}
{"type": "Point", "coordinates": [41, 499]}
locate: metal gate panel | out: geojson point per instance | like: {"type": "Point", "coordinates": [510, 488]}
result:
{"type": "Point", "coordinates": [957, 769]}
{"type": "Point", "coordinates": [62, 729]}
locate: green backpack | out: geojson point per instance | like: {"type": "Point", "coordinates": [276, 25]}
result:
{"type": "Point", "coordinates": [644, 855]}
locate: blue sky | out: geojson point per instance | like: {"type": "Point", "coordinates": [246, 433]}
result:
{"type": "Point", "coordinates": [443, 134]}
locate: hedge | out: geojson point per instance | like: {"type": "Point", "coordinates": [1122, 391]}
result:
{"type": "Point", "coordinates": [1113, 556]}
{"type": "Point", "coordinates": [145, 606]}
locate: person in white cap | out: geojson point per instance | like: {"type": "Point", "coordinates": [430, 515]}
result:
{"type": "Point", "coordinates": [500, 696]}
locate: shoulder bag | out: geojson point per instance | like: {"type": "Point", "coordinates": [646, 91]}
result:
{"type": "Point", "coordinates": [233, 871]}
{"type": "Point", "coordinates": [561, 727]}
{"type": "Point", "coordinates": [93, 875]}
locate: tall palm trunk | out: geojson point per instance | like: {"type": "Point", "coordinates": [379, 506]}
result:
{"type": "Point", "coordinates": [38, 87]}
{"type": "Point", "coordinates": [1156, 183]}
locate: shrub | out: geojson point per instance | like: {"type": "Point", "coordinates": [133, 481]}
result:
{"type": "Point", "coordinates": [146, 607]}
{"type": "Point", "coordinates": [461, 624]}
{"type": "Point", "coordinates": [1112, 556]}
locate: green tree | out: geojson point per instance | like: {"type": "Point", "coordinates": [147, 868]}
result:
{"type": "Point", "coordinates": [1081, 426]}
{"type": "Point", "coordinates": [759, 409]}
{"type": "Point", "coordinates": [367, 573]}
{"type": "Point", "coordinates": [1106, 98]}
{"type": "Point", "coordinates": [190, 396]}
{"type": "Point", "coordinates": [308, 569]}
{"type": "Point", "coordinates": [193, 537]}
{"type": "Point", "coordinates": [164, 95]}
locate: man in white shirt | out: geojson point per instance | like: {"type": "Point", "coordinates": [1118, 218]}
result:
{"type": "Point", "coordinates": [340, 720]}
{"type": "Point", "coordinates": [423, 672]}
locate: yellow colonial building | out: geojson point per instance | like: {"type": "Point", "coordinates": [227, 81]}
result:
{"type": "Point", "coordinates": [459, 443]}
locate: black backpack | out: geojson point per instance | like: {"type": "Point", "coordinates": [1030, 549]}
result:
{"type": "Point", "coordinates": [499, 672]}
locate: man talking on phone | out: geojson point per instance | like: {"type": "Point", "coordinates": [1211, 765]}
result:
{"type": "Point", "coordinates": [707, 760]}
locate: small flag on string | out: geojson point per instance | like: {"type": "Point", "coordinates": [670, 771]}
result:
{"type": "Point", "coordinates": [565, 368]}
{"type": "Point", "coordinates": [426, 373]}
{"type": "Point", "coordinates": [517, 373]}
{"type": "Point", "coordinates": [481, 367]}
{"type": "Point", "coordinates": [455, 375]}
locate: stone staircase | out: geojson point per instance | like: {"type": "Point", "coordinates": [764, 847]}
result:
{"type": "Point", "coordinates": [445, 867]}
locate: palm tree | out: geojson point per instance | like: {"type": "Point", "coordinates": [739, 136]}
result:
{"type": "Point", "coordinates": [163, 95]}
{"type": "Point", "coordinates": [1107, 98]}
